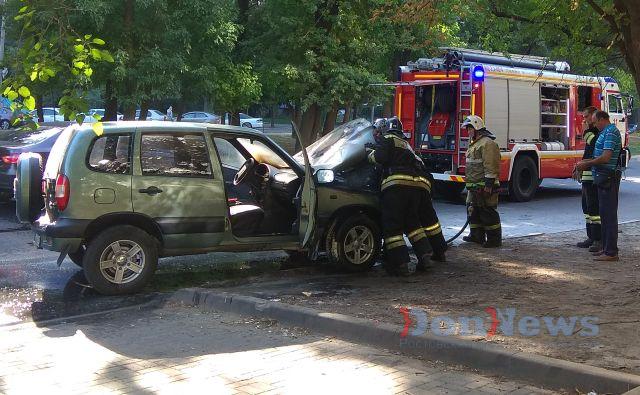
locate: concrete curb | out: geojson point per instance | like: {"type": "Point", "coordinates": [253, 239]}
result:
{"type": "Point", "coordinates": [488, 358]}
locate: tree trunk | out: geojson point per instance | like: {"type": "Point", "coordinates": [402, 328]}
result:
{"type": "Point", "coordinates": [235, 118]}
{"type": "Point", "coordinates": [39, 105]}
{"type": "Point", "coordinates": [111, 103]}
{"type": "Point", "coordinates": [144, 108]}
{"type": "Point", "coordinates": [274, 109]}
{"type": "Point", "coordinates": [629, 28]}
{"type": "Point", "coordinates": [311, 123]}
{"type": "Point", "coordinates": [330, 120]}
{"type": "Point", "coordinates": [387, 110]}
{"type": "Point", "coordinates": [347, 112]}
{"type": "Point", "coordinates": [179, 109]}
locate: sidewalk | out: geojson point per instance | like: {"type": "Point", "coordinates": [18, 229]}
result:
{"type": "Point", "coordinates": [544, 277]}
{"type": "Point", "coordinates": [176, 350]}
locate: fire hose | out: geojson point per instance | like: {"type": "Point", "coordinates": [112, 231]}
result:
{"type": "Point", "coordinates": [464, 227]}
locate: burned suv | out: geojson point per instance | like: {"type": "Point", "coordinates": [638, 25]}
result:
{"type": "Point", "coordinates": [116, 202]}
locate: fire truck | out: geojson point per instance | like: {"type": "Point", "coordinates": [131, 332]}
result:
{"type": "Point", "coordinates": [533, 107]}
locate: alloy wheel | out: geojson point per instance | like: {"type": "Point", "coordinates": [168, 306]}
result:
{"type": "Point", "coordinates": [359, 245]}
{"type": "Point", "coordinates": [122, 261]}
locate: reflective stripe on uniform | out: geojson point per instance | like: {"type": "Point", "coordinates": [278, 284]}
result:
{"type": "Point", "coordinates": [588, 138]}
{"type": "Point", "coordinates": [416, 235]}
{"type": "Point", "coordinates": [401, 179]}
{"type": "Point", "coordinates": [595, 219]}
{"type": "Point", "coordinates": [372, 157]}
{"type": "Point", "coordinates": [394, 242]}
{"type": "Point", "coordinates": [493, 227]}
{"type": "Point", "coordinates": [476, 226]}
{"type": "Point", "coordinates": [433, 229]}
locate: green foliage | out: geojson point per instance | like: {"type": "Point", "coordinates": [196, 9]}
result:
{"type": "Point", "coordinates": [51, 50]}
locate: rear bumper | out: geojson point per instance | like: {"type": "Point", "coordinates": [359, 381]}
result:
{"type": "Point", "coordinates": [64, 234]}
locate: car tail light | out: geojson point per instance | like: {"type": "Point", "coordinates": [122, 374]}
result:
{"type": "Point", "coordinates": [63, 192]}
{"type": "Point", "coordinates": [11, 159]}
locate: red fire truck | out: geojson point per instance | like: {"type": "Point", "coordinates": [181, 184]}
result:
{"type": "Point", "coordinates": [533, 106]}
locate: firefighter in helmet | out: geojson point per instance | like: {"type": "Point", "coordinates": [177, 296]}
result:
{"type": "Point", "coordinates": [402, 186]}
{"type": "Point", "coordinates": [483, 182]}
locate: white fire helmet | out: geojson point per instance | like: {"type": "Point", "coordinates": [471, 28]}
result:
{"type": "Point", "coordinates": [474, 121]}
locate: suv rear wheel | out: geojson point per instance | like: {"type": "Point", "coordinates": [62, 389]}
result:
{"type": "Point", "coordinates": [28, 189]}
{"type": "Point", "coordinates": [354, 243]}
{"type": "Point", "coordinates": [121, 260]}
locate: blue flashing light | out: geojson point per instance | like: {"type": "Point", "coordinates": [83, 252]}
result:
{"type": "Point", "coordinates": [478, 73]}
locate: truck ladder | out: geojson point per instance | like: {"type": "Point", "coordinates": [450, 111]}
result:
{"type": "Point", "coordinates": [466, 94]}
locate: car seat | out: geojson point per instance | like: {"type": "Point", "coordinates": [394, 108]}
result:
{"type": "Point", "coordinates": [245, 219]}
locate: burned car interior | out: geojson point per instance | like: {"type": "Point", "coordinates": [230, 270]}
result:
{"type": "Point", "coordinates": [261, 188]}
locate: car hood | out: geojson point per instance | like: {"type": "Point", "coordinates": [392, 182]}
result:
{"type": "Point", "coordinates": [341, 149]}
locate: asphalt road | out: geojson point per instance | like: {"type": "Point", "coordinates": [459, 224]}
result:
{"type": "Point", "coordinates": [33, 287]}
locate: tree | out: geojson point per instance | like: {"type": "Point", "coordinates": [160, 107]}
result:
{"type": "Point", "coordinates": [49, 50]}
{"type": "Point", "coordinates": [593, 35]}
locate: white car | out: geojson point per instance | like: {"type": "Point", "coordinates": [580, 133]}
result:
{"type": "Point", "coordinates": [50, 114]}
{"type": "Point", "coordinates": [250, 122]}
{"type": "Point", "coordinates": [153, 115]}
{"type": "Point", "coordinates": [101, 112]}
{"type": "Point", "coordinates": [200, 116]}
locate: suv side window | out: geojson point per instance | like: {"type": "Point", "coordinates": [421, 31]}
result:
{"type": "Point", "coordinates": [175, 155]}
{"type": "Point", "coordinates": [111, 154]}
{"type": "Point", "coordinates": [229, 155]}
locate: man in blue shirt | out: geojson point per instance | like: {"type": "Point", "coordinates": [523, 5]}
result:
{"type": "Point", "coordinates": [606, 162]}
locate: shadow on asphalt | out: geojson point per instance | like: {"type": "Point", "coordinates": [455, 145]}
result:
{"type": "Point", "coordinates": [78, 298]}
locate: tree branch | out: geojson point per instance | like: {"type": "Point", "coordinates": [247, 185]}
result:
{"type": "Point", "coordinates": [611, 20]}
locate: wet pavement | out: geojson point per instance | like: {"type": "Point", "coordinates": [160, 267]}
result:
{"type": "Point", "coordinates": [32, 287]}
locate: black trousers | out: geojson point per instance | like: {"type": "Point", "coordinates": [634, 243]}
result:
{"type": "Point", "coordinates": [400, 215]}
{"type": "Point", "coordinates": [431, 224]}
{"type": "Point", "coordinates": [608, 199]}
{"type": "Point", "coordinates": [591, 210]}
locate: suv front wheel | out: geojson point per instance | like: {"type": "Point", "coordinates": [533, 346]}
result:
{"type": "Point", "coordinates": [120, 260]}
{"type": "Point", "coordinates": [354, 243]}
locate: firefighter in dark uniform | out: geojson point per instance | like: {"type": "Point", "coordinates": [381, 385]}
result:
{"type": "Point", "coordinates": [590, 204]}
{"type": "Point", "coordinates": [429, 220]}
{"type": "Point", "coordinates": [402, 189]}
{"type": "Point", "coordinates": [483, 181]}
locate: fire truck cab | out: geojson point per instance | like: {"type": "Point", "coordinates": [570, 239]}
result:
{"type": "Point", "coordinates": [531, 105]}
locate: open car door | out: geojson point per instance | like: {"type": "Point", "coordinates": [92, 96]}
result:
{"type": "Point", "coordinates": [308, 199]}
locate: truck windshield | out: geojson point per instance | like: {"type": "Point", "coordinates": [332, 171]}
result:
{"type": "Point", "coordinates": [344, 144]}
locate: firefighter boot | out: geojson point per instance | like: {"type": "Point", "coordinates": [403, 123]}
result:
{"type": "Point", "coordinates": [494, 238]}
{"type": "Point", "coordinates": [424, 263]}
{"type": "Point", "coordinates": [596, 246]}
{"type": "Point", "coordinates": [476, 235]}
{"type": "Point", "coordinates": [585, 244]}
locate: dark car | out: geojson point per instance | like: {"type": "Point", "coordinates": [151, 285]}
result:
{"type": "Point", "coordinates": [13, 143]}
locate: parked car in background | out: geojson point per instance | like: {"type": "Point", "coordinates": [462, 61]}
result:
{"type": "Point", "coordinates": [101, 112]}
{"type": "Point", "coordinates": [633, 128]}
{"type": "Point", "coordinates": [201, 116]}
{"type": "Point", "coordinates": [154, 115]}
{"type": "Point", "coordinates": [13, 143]}
{"type": "Point", "coordinates": [50, 114]}
{"type": "Point", "coordinates": [250, 122]}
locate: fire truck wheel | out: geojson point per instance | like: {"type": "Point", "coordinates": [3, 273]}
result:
{"type": "Point", "coordinates": [524, 179]}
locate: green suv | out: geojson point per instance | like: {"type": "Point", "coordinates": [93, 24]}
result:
{"type": "Point", "coordinates": [116, 202]}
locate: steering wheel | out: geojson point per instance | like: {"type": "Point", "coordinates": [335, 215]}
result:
{"type": "Point", "coordinates": [246, 168]}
